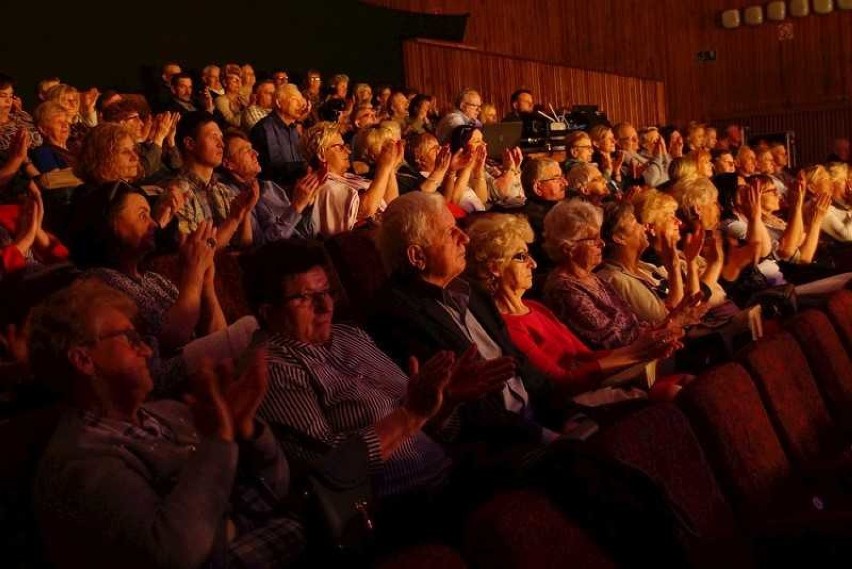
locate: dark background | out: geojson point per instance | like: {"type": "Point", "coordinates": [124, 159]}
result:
{"type": "Point", "coordinates": [122, 45]}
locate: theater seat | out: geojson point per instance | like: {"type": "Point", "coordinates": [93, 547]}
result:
{"type": "Point", "coordinates": [840, 313]}
{"type": "Point", "coordinates": [829, 361]}
{"type": "Point", "coordinates": [659, 441]}
{"type": "Point", "coordinates": [794, 404]}
{"type": "Point", "coordinates": [431, 556]}
{"type": "Point", "coordinates": [359, 267]}
{"type": "Point", "coordinates": [523, 530]}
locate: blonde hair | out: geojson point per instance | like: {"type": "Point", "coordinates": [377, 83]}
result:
{"type": "Point", "coordinates": [492, 238]}
{"type": "Point", "coordinates": [580, 174]}
{"type": "Point", "coordinates": [838, 171]}
{"type": "Point", "coordinates": [695, 192]}
{"type": "Point", "coordinates": [565, 223]}
{"type": "Point", "coordinates": [653, 207]}
{"type": "Point", "coordinates": [317, 140]}
{"type": "Point", "coordinates": [46, 111]}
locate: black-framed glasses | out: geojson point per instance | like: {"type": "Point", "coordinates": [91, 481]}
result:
{"type": "Point", "coordinates": [310, 298]}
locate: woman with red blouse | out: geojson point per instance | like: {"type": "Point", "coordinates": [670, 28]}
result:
{"type": "Point", "coordinates": [499, 259]}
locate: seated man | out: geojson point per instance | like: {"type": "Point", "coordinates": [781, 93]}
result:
{"type": "Point", "coordinates": [278, 137]}
{"type": "Point", "coordinates": [124, 483]}
{"type": "Point", "coordinates": [199, 141]}
{"type": "Point", "coordinates": [274, 217]}
{"type": "Point", "coordinates": [468, 106]}
{"type": "Point", "coordinates": [264, 102]}
{"type": "Point", "coordinates": [585, 181]}
{"type": "Point", "coordinates": [182, 101]}
{"type": "Point", "coordinates": [330, 382]}
{"type": "Point", "coordinates": [544, 186]}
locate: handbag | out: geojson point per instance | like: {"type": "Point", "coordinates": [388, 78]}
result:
{"type": "Point", "coordinates": [337, 490]}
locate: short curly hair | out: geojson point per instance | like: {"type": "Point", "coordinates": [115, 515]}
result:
{"type": "Point", "coordinates": [96, 161]}
{"type": "Point", "coordinates": [653, 207]}
{"type": "Point", "coordinates": [493, 237]}
{"type": "Point", "coordinates": [565, 223]}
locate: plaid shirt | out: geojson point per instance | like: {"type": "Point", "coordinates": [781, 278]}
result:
{"type": "Point", "coordinates": [205, 200]}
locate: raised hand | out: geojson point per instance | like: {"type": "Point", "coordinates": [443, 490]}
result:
{"type": "Point", "coordinates": [20, 145]}
{"type": "Point", "coordinates": [693, 242]}
{"type": "Point", "coordinates": [245, 393]}
{"type": "Point", "coordinates": [480, 153]}
{"type": "Point", "coordinates": [17, 104]}
{"type": "Point", "coordinates": [387, 156]}
{"type": "Point", "coordinates": [617, 162]}
{"type": "Point", "coordinates": [171, 202]}
{"type": "Point", "coordinates": [821, 204]}
{"type": "Point", "coordinates": [88, 100]}
{"type": "Point", "coordinates": [210, 411]}
{"type": "Point", "coordinates": [161, 127]}
{"type": "Point", "coordinates": [427, 383]}
{"type": "Point", "coordinates": [751, 201]}
{"type": "Point", "coordinates": [305, 190]}
{"type": "Point", "coordinates": [669, 252]}
{"type": "Point", "coordinates": [442, 163]}
{"type": "Point", "coordinates": [676, 146]}
{"type": "Point", "coordinates": [798, 190]}
{"type": "Point", "coordinates": [473, 376]}
{"type": "Point", "coordinates": [461, 159]}
{"type": "Point", "coordinates": [689, 312]}
{"type": "Point", "coordinates": [198, 249]}
{"type": "Point", "coordinates": [399, 147]}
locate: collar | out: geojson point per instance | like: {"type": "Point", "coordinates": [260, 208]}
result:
{"type": "Point", "coordinates": [195, 180]}
{"type": "Point", "coordinates": [277, 118]}
{"type": "Point", "coordinates": [456, 294]}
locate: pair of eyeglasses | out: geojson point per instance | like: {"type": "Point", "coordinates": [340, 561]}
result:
{"type": "Point", "coordinates": [522, 257]}
{"type": "Point", "coordinates": [310, 298]}
{"type": "Point", "coordinates": [473, 105]}
{"type": "Point", "coordinates": [342, 145]}
{"type": "Point", "coordinates": [590, 241]}
{"type": "Point", "coordinates": [132, 337]}
{"type": "Point", "coordinates": [589, 146]}
{"type": "Point", "coordinates": [560, 177]}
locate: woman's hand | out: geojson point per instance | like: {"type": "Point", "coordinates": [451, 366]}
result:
{"type": "Point", "coordinates": [305, 190]}
{"type": "Point", "coordinates": [171, 202]}
{"type": "Point", "coordinates": [480, 153]}
{"type": "Point", "coordinates": [821, 204]}
{"type": "Point", "coordinates": [461, 159]}
{"type": "Point", "coordinates": [29, 224]}
{"type": "Point", "coordinates": [426, 385]}
{"type": "Point", "coordinates": [512, 158]}
{"type": "Point", "coordinates": [654, 345]}
{"type": "Point", "coordinates": [693, 242]}
{"type": "Point", "coordinates": [198, 250]}
{"type": "Point", "coordinates": [676, 145]}
{"type": "Point", "coordinates": [442, 164]}
{"type": "Point", "coordinates": [751, 201]}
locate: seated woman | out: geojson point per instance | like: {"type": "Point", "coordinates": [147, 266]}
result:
{"type": "Point", "coordinates": [81, 110]}
{"type": "Point", "coordinates": [587, 304]}
{"type": "Point", "coordinates": [230, 106]}
{"type": "Point", "coordinates": [837, 222]}
{"type": "Point", "coordinates": [498, 258]}
{"type": "Point", "coordinates": [24, 244]}
{"type": "Point", "coordinates": [125, 483]}
{"type": "Point", "coordinates": [605, 155]}
{"type": "Point", "coordinates": [346, 199]}
{"type": "Point", "coordinates": [113, 232]}
{"type": "Point", "coordinates": [493, 185]}
{"type": "Point", "coordinates": [55, 162]}
{"type": "Point", "coordinates": [14, 121]}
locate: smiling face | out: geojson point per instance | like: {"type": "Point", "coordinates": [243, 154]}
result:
{"type": "Point", "coordinates": [631, 234]}
{"type": "Point", "coordinates": [56, 128]}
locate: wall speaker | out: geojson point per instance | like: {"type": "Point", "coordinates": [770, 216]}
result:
{"type": "Point", "coordinates": [753, 15]}
{"type": "Point", "coordinates": [777, 11]}
{"type": "Point", "coordinates": [799, 8]}
{"type": "Point", "coordinates": [823, 6]}
{"type": "Point", "coordinates": [731, 19]}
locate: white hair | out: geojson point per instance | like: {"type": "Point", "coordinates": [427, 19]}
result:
{"type": "Point", "coordinates": [409, 220]}
{"type": "Point", "coordinates": [567, 222]}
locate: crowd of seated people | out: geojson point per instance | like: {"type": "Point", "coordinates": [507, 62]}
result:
{"type": "Point", "coordinates": [522, 304]}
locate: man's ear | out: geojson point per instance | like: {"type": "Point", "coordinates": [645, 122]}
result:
{"type": "Point", "coordinates": [416, 257]}
{"type": "Point", "coordinates": [536, 189]}
{"type": "Point", "coordinates": [618, 238]}
{"type": "Point", "coordinates": [81, 360]}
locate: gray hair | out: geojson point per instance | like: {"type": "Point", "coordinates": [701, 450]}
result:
{"type": "Point", "coordinates": [565, 223]}
{"type": "Point", "coordinates": [533, 171]}
{"type": "Point", "coordinates": [409, 220]}
{"type": "Point", "coordinates": [694, 192]}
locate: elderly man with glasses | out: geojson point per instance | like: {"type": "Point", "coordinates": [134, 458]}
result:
{"type": "Point", "coordinates": [468, 104]}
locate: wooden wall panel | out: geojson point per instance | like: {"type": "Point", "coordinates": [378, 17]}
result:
{"type": "Point", "coordinates": [445, 69]}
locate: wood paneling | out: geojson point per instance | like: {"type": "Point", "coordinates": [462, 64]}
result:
{"type": "Point", "coordinates": [445, 69]}
{"type": "Point", "coordinates": [803, 84]}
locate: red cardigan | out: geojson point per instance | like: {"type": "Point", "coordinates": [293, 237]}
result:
{"type": "Point", "coordinates": [554, 349]}
{"type": "Point", "coordinates": [11, 258]}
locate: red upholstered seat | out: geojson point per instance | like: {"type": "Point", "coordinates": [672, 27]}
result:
{"type": "Point", "coordinates": [829, 361]}
{"type": "Point", "coordinates": [840, 312]}
{"type": "Point", "coordinates": [359, 268]}
{"type": "Point", "coordinates": [523, 530]}
{"type": "Point", "coordinates": [795, 405]}
{"type": "Point", "coordinates": [431, 556]}
{"type": "Point", "coordinates": [658, 441]}
{"type": "Point", "coordinates": [734, 429]}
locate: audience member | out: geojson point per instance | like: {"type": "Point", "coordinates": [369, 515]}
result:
{"type": "Point", "coordinates": [277, 138]}
{"type": "Point", "coordinates": [13, 118]}
{"type": "Point", "coordinates": [468, 105]}
{"type": "Point", "coordinates": [230, 106]}
{"type": "Point", "coordinates": [264, 102]}
{"type": "Point", "coordinates": [522, 104]}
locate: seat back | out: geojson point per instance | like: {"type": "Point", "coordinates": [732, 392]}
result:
{"type": "Point", "coordinates": [524, 530]}
{"type": "Point", "coordinates": [359, 267]}
{"type": "Point", "coordinates": [829, 361]}
{"type": "Point", "coordinates": [840, 313]}
{"type": "Point", "coordinates": [728, 418]}
{"type": "Point", "coordinates": [788, 390]}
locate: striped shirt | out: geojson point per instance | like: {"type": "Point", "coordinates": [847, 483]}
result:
{"type": "Point", "coordinates": [335, 390]}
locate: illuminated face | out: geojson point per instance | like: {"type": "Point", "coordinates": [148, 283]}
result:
{"type": "Point", "coordinates": [212, 78]}
{"type": "Point", "coordinates": [306, 309]}
{"type": "Point", "coordinates": [779, 155]}
{"type": "Point", "coordinates": [183, 89]}
{"type": "Point", "coordinates": [126, 160]}
{"type": "Point", "coordinates": [337, 155]}
{"type": "Point", "coordinates": [242, 159]}
{"type": "Point", "coordinates": [586, 252]}
{"type": "Point", "coordinates": [445, 254]}
{"type": "Point", "coordinates": [133, 226]}
{"type": "Point", "coordinates": [399, 104]}
{"type": "Point", "coordinates": [266, 96]}
{"type": "Point", "coordinates": [747, 161]}
{"type": "Point", "coordinates": [6, 96]}
{"type": "Point", "coordinates": [517, 273]}
{"type": "Point", "coordinates": [725, 164]}
{"type": "Point", "coordinates": [551, 186]}
{"type": "Point", "coordinates": [292, 105]}
{"type": "Point", "coordinates": [696, 139]}
{"type": "Point", "coordinates": [471, 105]}
{"type": "Point", "coordinates": [233, 83]}
{"type": "Point", "coordinates": [207, 148]}
{"type": "Point", "coordinates": [582, 149]}
{"type": "Point", "coordinates": [629, 139]}
{"type": "Point", "coordinates": [247, 75]}
{"type": "Point", "coordinates": [524, 103]}
{"type": "Point", "coordinates": [765, 163]}
{"type": "Point", "coordinates": [56, 128]}
{"type": "Point", "coordinates": [70, 101]}
{"type": "Point", "coordinates": [606, 144]}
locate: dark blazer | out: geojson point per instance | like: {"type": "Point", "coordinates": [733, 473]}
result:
{"type": "Point", "coordinates": [407, 319]}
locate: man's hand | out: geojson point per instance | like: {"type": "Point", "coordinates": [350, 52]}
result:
{"type": "Point", "coordinates": [210, 410]}
{"type": "Point", "coordinates": [245, 393]}
{"type": "Point", "coordinates": [473, 376]}
{"type": "Point", "coordinates": [426, 385]}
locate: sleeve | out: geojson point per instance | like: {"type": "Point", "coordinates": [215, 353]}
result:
{"type": "Point", "coordinates": [263, 458]}
{"type": "Point", "coordinates": [151, 157]}
{"type": "Point", "coordinates": [335, 209]}
{"type": "Point", "coordinates": [580, 375]}
{"type": "Point", "coordinates": [12, 260]}
{"type": "Point", "coordinates": [106, 501]}
{"type": "Point", "coordinates": [577, 310]}
{"type": "Point", "coordinates": [838, 224]}
{"type": "Point", "coordinates": [292, 401]}
{"type": "Point", "coordinates": [276, 220]}
{"type": "Point", "coordinates": [656, 173]}
{"type": "Point", "coordinates": [44, 159]}
{"type": "Point", "coordinates": [647, 305]}
{"type": "Point", "coordinates": [223, 105]}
